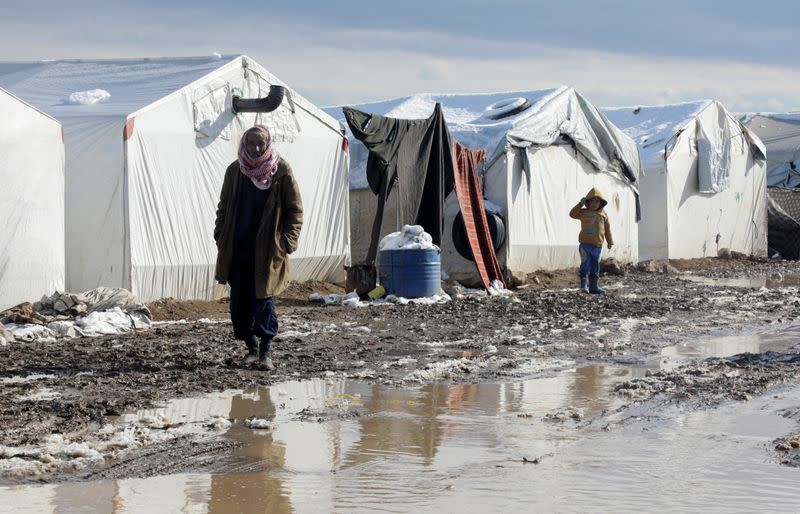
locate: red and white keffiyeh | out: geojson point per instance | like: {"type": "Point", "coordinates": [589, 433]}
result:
{"type": "Point", "coordinates": [260, 169]}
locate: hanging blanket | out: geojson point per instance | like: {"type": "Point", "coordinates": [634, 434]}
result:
{"type": "Point", "coordinates": [415, 155]}
{"type": "Point", "coordinates": [470, 201]}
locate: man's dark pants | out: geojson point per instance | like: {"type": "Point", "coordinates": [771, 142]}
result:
{"type": "Point", "coordinates": [254, 319]}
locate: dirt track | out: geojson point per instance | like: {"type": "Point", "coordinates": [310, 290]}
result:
{"type": "Point", "coordinates": [468, 339]}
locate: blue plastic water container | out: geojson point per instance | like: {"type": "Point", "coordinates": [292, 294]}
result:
{"type": "Point", "coordinates": [410, 273]}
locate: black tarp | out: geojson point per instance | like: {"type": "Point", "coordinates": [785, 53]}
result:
{"type": "Point", "coordinates": [414, 155]}
{"type": "Point", "coordinates": [783, 222]}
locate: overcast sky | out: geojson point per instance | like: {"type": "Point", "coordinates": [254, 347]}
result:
{"type": "Point", "coordinates": [745, 54]}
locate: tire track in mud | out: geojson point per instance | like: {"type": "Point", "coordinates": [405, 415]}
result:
{"type": "Point", "coordinates": [187, 453]}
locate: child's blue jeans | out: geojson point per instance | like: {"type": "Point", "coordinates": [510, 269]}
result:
{"type": "Point", "coordinates": [590, 259]}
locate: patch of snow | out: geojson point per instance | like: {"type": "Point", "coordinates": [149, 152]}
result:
{"type": "Point", "coordinates": [112, 321]}
{"type": "Point", "coordinates": [348, 300]}
{"type": "Point", "coordinates": [443, 370]}
{"type": "Point", "coordinates": [442, 297]}
{"type": "Point", "coordinates": [432, 344]}
{"type": "Point", "coordinates": [42, 395]}
{"type": "Point", "coordinates": [296, 333]}
{"type": "Point", "coordinates": [352, 302]}
{"type": "Point", "coordinates": [38, 333]}
{"type": "Point", "coordinates": [65, 329]}
{"type": "Point", "coordinates": [26, 378]}
{"type": "Point", "coordinates": [91, 97]}
{"type": "Point", "coordinates": [367, 374]}
{"type": "Point", "coordinates": [125, 438]}
{"type": "Point", "coordinates": [399, 300]}
{"type": "Point", "coordinates": [651, 127]}
{"type": "Point", "coordinates": [529, 367]}
{"type": "Point", "coordinates": [411, 237]}
{"type": "Point", "coordinates": [219, 424]}
{"type": "Point", "coordinates": [169, 322]}
{"type": "Point", "coordinates": [259, 424]}
{"type": "Point", "coordinates": [158, 420]}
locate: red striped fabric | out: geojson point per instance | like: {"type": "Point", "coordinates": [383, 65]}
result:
{"type": "Point", "coordinates": [470, 200]}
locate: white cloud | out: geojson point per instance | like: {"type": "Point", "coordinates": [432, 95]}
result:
{"type": "Point", "coordinates": [333, 65]}
{"type": "Point", "coordinates": [357, 75]}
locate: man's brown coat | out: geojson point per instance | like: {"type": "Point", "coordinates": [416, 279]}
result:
{"type": "Point", "coordinates": [278, 231]}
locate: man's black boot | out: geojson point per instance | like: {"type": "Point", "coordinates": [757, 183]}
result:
{"type": "Point", "coordinates": [265, 355]}
{"type": "Point", "coordinates": [252, 351]}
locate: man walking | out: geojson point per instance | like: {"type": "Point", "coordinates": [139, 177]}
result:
{"type": "Point", "coordinates": [258, 223]}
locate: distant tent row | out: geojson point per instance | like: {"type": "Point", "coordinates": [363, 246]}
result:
{"type": "Point", "coordinates": [702, 186]}
{"type": "Point", "coordinates": [125, 193]}
{"type": "Point", "coordinates": [147, 144]}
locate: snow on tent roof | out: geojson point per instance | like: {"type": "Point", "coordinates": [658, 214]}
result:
{"type": "Point", "coordinates": [651, 126]}
{"type": "Point", "coordinates": [473, 119]}
{"type": "Point", "coordinates": [782, 116]}
{"type": "Point", "coordinates": [780, 132]}
{"type": "Point", "coordinates": [131, 83]}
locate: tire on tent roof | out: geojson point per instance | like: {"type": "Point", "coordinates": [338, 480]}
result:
{"type": "Point", "coordinates": [497, 231]}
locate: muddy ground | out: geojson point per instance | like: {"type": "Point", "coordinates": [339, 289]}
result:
{"type": "Point", "coordinates": [71, 389]}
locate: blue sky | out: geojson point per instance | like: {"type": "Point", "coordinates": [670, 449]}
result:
{"type": "Point", "coordinates": [745, 54]}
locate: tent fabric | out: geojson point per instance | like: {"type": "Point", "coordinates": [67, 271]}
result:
{"type": "Point", "coordinates": [542, 146]}
{"type": "Point", "coordinates": [714, 153]}
{"type": "Point", "coordinates": [473, 211]}
{"type": "Point", "coordinates": [31, 202]}
{"type": "Point", "coordinates": [570, 115]}
{"type": "Point", "coordinates": [787, 198]}
{"type": "Point", "coordinates": [784, 221]}
{"type": "Point", "coordinates": [145, 166]}
{"type": "Point", "coordinates": [416, 155]}
{"type": "Point", "coordinates": [703, 183]}
{"type": "Point", "coordinates": [540, 234]}
{"type": "Point", "coordinates": [784, 227]}
{"type": "Point", "coordinates": [781, 136]}
{"type": "Point", "coordinates": [478, 121]}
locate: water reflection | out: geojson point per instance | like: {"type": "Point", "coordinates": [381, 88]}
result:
{"type": "Point", "coordinates": [727, 346]}
{"type": "Point", "coordinates": [774, 281]}
{"type": "Point", "coordinates": [400, 440]}
{"type": "Point", "coordinates": [246, 491]}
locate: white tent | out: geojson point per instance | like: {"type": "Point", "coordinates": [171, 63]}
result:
{"type": "Point", "coordinates": [780, 133]}
{"type": "Point", "coordinates": [546, 149]}
{"type": "Point", "coordinates": [31, 202]}
{"type": "Point", "coordinates": [703, 186]}
{"type": "Point", "coordinates": [147, 145]}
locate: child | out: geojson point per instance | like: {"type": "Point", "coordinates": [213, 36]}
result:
{"type": "Point", "coordinates": [594, 230]}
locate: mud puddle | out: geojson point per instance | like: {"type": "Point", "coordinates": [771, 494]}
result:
{"type": "Point", "coordinates": [776, 280]}
{"type": "Point", "coordinates": [348, 446]}
{"type": "Point", "coordinates": [778, 340]}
